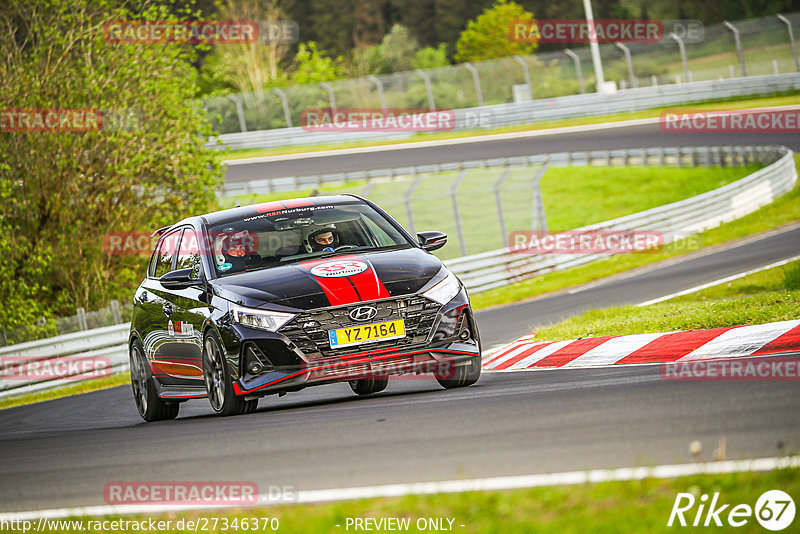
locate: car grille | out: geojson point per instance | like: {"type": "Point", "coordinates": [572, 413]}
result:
{"type": "Point", "coordinates": [309, 330]}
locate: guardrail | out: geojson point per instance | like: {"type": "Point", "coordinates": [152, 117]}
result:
{"type": "Point", "coordinates": [108, 343]}
{"type": "Point", "coordinates": [690, 156]}
{"type": "Point", "coordinates": [500, 267]}
{"type": "Point", "coordinates": [488, 270]}
{"type": "Point", "coordinates": [565, 107]}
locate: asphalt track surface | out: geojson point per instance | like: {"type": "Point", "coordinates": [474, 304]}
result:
{"type": "Point", "coordinates": [62, 452]}
{"type": "Point", "coordinates": [649, 135]}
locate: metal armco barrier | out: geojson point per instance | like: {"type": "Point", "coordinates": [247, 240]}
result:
{"type": "Point", "coordinates": [565, 107]}
{"type": "Point", "coordinates": [493, 269]}
{"type": "Point", "coordinates": [109, 342]}
{"type": "Point", "coordinates": [489, 270]}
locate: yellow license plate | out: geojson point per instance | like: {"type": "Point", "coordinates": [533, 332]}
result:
{"type": "Point", "coordinates": [366, 333]}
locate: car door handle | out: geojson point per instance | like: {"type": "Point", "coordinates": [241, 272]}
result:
{"type": "Point", "coordinates": [169, 309]}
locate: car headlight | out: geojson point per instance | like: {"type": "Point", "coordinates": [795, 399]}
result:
{"type": "Point", "coordinates": [444, 291]}
{"type": "Point", "coordinates": [265, 320]}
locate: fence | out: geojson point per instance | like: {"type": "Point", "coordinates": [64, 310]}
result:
{"type": "Point", "coordinates": [108, 344]}
{"type": "Point", "coordinates": [500, 267]}
{"type": "Point", "coordinates": [565, 107]}
{"type": "Point", "coordinates": [476, 202]}
{"type": "Point", "coordinates": [497, 268]}
{"type": "Point", "coordinates": [766, 49]}
{"type": "Point", "coordinates": [112, 314]}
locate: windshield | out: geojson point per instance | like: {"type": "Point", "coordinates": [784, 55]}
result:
{"type": "Point", "coordinates": [293, 235]}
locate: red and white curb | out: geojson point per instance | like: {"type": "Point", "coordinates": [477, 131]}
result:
{"type": "Point", "coordinates": [691, 345]}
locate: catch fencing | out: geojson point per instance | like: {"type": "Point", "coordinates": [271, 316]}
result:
{"type": "Point", "coordinates": [673, 221]}
{"type": "Point", "coordinates": [710, 55]}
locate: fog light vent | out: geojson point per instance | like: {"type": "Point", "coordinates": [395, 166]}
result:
{"type": "Point", "coordinates": [255, 362]}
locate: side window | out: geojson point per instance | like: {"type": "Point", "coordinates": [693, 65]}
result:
{"type": "Point", "coordinates": [165, 253]}
{"type": "Point", "coordinates": [189, 253]}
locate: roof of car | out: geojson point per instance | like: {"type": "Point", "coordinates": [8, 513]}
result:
{"type": "Point", "coordinates": [275, 206]}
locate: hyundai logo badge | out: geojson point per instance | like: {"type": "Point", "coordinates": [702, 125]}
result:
{"type": "Point", "coordinates": [363, 313]}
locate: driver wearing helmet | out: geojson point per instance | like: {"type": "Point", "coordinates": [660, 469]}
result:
{"type": "Point", "coordinates": [324, 240]}
{"type": "Point", "coordinates": [236, 250]}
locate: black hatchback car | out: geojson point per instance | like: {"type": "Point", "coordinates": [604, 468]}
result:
{"type": "Point", "coordinates": [274, 297]}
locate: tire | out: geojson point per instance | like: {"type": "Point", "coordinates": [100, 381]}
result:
{"type": "Point", "coordinates": [150, 406]}
{"type": "Point", "coordinates": [218, 382]}
{"type": "Point", "coordinates": [461, 376]}
{"type": "Point", "coordinates": [368, 386]}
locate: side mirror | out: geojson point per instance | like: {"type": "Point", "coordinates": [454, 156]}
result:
{"type": "Point", "coordinates": [431, 241]}
{"type": "Point", "coordinates": [180, 279]}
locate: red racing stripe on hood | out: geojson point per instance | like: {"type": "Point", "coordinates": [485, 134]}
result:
{"type": "Point", "coordinates": [368, 285]}
{"type": "Point", "coordinates": [346, 289]}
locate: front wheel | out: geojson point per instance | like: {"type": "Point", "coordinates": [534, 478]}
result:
{"type": "Point", "coordinates": [461, 376]}
{"type": "Point", "coordinates": [150, 406]}
{"type": "Point", "coordinates": [218, 381]}
{"type": "Point", "coordinates": [368, 386]}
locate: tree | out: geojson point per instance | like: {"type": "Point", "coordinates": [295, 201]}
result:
{"type": "Point", "coordinates": [62, 192]}
{"type": "Point", "coordinates": [487, 36]}
{"type": "Point", "coordinates": [314, 66]}
{"type": "Point", "coordinates": [246, 67]}
{"type": "Point", "coordinates": [398, 49]}
{"type": "Point", "coordinates": [429, 57]}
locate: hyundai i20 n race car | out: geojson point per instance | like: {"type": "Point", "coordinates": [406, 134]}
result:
{"type": "Point", "coordinates": [275, 297]}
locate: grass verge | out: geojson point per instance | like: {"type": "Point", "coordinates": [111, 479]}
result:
{"type": "Point", "coordinates": [758, 298]}
{"type": "Point", "coordinates": [66, 391]}
{"type": "Point", "coordinates": [607, 507]}
{"type": "Point", "coordinates": [784, 99]}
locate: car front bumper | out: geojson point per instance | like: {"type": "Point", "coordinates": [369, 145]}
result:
{"type": "Point", "coordinates": [440, 352]}
{"type": "Point", "coordinates": [441, 360]}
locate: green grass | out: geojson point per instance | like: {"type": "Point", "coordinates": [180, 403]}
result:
{"type": "Point", "coordinates": [607, 507]}
{"type": "Point", "coordinates": [792, 277]}
{"type": "Point", "coordinates": [754, 299]}
{"type": "Point", "coordinates": [789, 98]}
{"type": "Point", "coordinates": [783, 211]}
{"type": "Point", "coordinates": [66, 391]}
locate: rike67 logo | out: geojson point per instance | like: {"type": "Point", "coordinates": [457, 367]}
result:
{"type": "Point", "coordinates": [774, 510]}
